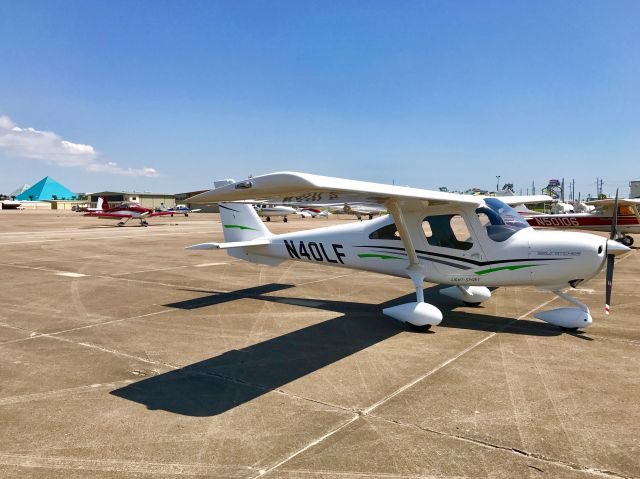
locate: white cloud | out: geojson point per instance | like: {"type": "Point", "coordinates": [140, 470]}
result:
{"type": "Point", "coordinates": [50, 147]}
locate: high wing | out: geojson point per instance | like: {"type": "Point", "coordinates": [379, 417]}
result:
{"type": "Point", "coordinates": [287, 187]}
{"type": "Point", "coordinates": [525, 200]}
{"type": "Point", "coordinates": [610, 201]}
{"type": "Point", "coordinates": [106, 215]}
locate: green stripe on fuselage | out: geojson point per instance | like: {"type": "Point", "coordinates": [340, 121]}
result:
{"type": "Point", "coordinates": [377, 255]}
{"type": "Point", "coordinates": [240, 227]}
{"type": "Point", "coordinates": [502, 268]}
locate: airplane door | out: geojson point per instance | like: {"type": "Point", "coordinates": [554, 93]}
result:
{"type": "Point", "coordinates": [451, 246]}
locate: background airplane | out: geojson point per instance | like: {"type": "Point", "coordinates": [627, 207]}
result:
{"type": "Point", "coordinates": [178, 209]}
{"type": "Point", "coordinates": [600, 219]}
{"type": "Point", "coordinates": [359, 210]}
{"type": "Point", "coordinates": [126, 211]}
{"type": "Point", "coordinates": [310, 212]}
{"type": "Point", "coordinates": [269, 211]}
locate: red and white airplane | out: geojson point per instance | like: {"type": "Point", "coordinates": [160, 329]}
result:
{"type": "Point", "coordinates": [128, 210]}
{"type": "Point", "coordinates": [598, 220]}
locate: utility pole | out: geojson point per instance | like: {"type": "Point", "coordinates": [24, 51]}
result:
{"type": "Point", "coordinates": [562, 191]}
{"type": "Point", "coordinates": [497, 183]}
{"type": "Point", "coordinates": [533, 187]}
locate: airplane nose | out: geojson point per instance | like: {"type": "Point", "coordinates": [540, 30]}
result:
{"type": "Point", "coordinates": [567, 258]}
{"type": "Point", "coordinates": [615, 248]}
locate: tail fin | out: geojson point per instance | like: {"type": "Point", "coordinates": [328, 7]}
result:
{"type": "Point", "coordinates": [102, 204]}
{"type": "Point", "coordinates": [240, 222]}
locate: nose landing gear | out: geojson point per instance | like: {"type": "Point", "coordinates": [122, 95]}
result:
{"type": "Point", "coordinates": [626, 240]}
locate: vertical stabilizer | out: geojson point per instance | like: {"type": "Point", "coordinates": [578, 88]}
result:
{"type": "Point", "coordinates": [240, 222]}
{"type": "Point", "coordinates": [102, 204]}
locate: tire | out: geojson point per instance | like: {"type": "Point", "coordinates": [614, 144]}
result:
{"type": "Point", "coordinates": [419, 329]}
{"type": "Point", "coordinates": [627, 240]}
{"type": "Point", "coordinates": [568, 330]}
{"type": "Point", "coordinates": [268, 218]}
{"type": "Point", "coordinates": [472, 305]}
{"type": "Point", "coordinates": [285, 219]}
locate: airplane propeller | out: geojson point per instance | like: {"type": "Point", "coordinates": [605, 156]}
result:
{"type": "Point", "coordinates": [612, 250]}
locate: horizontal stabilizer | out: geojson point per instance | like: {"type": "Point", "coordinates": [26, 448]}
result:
{"type": "Point", "coordinates": [234, 244]}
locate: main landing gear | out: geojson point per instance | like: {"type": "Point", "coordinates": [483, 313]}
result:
{"type": "Point", "coordinates": [568, 319]}
{"type": "Point", "coordinates": [418, 314]}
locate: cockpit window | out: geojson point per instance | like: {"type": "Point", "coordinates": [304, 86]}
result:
{"type": "Point", "coordinates": [389, 232]}
{"type": "Point", "coordinates": [447, 231]}
{"type": "Point", "coordinates": [502, 221]}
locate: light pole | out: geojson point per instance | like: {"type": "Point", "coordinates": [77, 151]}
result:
{"type": "Point", "coordinates": [497, 183]}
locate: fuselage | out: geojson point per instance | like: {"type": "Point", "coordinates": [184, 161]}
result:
{"type": "Point", "coordinates": [543, 258]}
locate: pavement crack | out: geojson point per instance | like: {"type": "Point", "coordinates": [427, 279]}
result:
{"type": "Point", "coordinates": [514, 450]}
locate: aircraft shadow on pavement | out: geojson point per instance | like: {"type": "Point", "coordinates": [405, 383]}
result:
{"type": "Point", "coordinates": [221, 383]}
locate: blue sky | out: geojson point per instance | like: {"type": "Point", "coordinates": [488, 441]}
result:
{"type": "Point", "coordinates": [168, 96]}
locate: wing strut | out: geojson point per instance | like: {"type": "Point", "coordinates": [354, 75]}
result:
{"type": "Point", "coordinates": [419, 313]}
{"type": "Point", "coordinates": [415, 271]}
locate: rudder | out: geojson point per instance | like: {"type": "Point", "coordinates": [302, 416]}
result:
{"type": "Point", "coordinates": [240, 222]}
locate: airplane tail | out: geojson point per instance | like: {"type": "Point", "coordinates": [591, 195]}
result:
{"type": "Point", "coordinates": [102, 204]}
{"type": "Point", "coordinates": [244, 235]}
{"type": "Point", "coordinates": [240, 222]}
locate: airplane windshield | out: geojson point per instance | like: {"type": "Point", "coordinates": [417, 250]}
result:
{"type": "Point", "coordinates": [500, 220]}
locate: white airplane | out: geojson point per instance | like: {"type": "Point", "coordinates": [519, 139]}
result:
{"type": "Point", "coordinates": [417, 240]}
{"type": "Point", "coordinates": [359, 210]}
{"type": "Point", "coordinates": [269, 211]}
{"type": "Point", "coordinates": [310, 212]}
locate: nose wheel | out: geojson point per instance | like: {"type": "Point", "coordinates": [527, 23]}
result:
{"type": "Point", "coordinates": [567, 319]}
{"type": "Point", "coordinates": [626, 240]}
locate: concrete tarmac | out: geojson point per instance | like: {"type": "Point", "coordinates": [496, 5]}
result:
{"type": "Point", "coordinates": [124, 355]}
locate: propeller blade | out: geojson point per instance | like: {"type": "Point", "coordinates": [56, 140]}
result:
{"type": "Point", "coordinates": [614, 218]}
{"type": "Point", "coordinates": [609, 283]}
{"type": "Point", "coordinates": [611, 258]}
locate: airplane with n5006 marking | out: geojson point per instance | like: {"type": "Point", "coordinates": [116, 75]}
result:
{"type": "Point", "coordinates": [467, 242]}
{"type": "Point", "coordinates": [628, 219]}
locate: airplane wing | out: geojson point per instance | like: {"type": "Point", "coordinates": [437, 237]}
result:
{"type": "Point", "coordinates": [609, 201]}
{"type": "Point", "coordinates": [104, 215]}
{"type": "Point", "coordinates": [287, 187]}
{"type": "Point", "coordinates": [525, 200]}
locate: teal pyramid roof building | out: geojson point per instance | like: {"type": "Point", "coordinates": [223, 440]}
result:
{"type": "Point", "coordinates": [46, 189]}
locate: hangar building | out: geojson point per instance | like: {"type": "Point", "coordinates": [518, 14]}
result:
{"type": "Point", "coordinates": [145, 199]}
